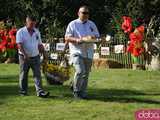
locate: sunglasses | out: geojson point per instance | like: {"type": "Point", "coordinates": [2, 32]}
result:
{"type": "Point", "coordinates": [85, 13]}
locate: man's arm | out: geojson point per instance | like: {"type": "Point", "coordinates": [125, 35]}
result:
{"type": "Point", "coordinates": [42, 51]}
{"type": "Point", "coordinates": [72, 39]}
{"type": "Point", "coordinates": [19, 41]}
{"type": "Point", "coordinates": [69, 35]}
{"type": "Point", "coordinates": [41, 47]}
{"type": "Point", "coordinates": [20, 47]}
{"type": "Point", "coordinates": [95, 30]}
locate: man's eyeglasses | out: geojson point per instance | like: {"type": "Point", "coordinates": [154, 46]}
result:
{"type": "Point", "coordinates": [85, 13]}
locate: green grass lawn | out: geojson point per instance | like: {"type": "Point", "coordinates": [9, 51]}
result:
{"type": "Point", "coordinates": [115, 94]}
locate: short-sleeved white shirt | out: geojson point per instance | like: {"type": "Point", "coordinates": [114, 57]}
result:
{"type": "Point", "coordinates": [29, 43]}
{"type": "Point", "coordinates": [77, 28]}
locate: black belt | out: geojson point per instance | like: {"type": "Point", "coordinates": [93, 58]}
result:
{"type": "Point", "coordinates": [30, 57]}
{"type": "Point", "coordinates": [34, 57]}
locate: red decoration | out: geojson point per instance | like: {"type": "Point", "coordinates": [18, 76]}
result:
{"type": "Point", "coordinates": [127, 24]}
{"type": "Point", "coordinates": [8, 39]}
{"type": "Point", "coordinates": [135, 46]}
{"type": "Point", "coordinates": [12, 35]}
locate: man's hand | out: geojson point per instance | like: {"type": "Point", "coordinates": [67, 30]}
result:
{"type": "Point", "coordinates": [88, 37]}
{"type": "Point", "coordinates": [20, 47]}
{"type": "Point", "coordinates": [42, 51]}
{"type": "Point", "coordinates": [78, 40]}
{"type": "Point", "coordinates": [26, 57]}
{"type": "Point", "coordinates": [45, 56]}
{"type": "Point", "coordinates": [41, 48]}
{"type": "Point", "coordinates": [73, 40]}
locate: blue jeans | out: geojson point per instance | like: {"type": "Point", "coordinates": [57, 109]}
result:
{"type": "Point", "coordinates": [82, 69]}
{"type": "Point", "coordinates": [25, 65]}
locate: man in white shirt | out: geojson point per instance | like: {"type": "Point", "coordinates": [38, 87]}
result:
{"type": "Point", "coordinates": [30, 45]}
{"type": "Point", "coordinates": [81, 53]}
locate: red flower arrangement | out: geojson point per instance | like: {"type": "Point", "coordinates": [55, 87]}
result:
{"type": "Point", "coordinates": [8, 41]}
{"type": "Point", "coordinates": [127, 24]}
{"type": "Point", "coordinates": [135, 46]}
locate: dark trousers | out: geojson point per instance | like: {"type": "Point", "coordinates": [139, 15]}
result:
{"type": "Point", "coordinates": [25, 65]}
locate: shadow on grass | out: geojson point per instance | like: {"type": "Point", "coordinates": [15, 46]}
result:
{"type": "Point", "coordinates": [7, 91]}
{"type": "Point", "coordinates": [7, 77]}
{"type": "Point", "coordinates": [118, 95]}
{"type": "Point", "coordinates": [121, 96]}
{"type": "Point", "coordinates": [2, 77]}
{"type": "Point", "coordinates": [108, 95]}
{"type": "Point", "coordinates": [12, 78]}
{"type": "Point", "coordinates": [105, 95]}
